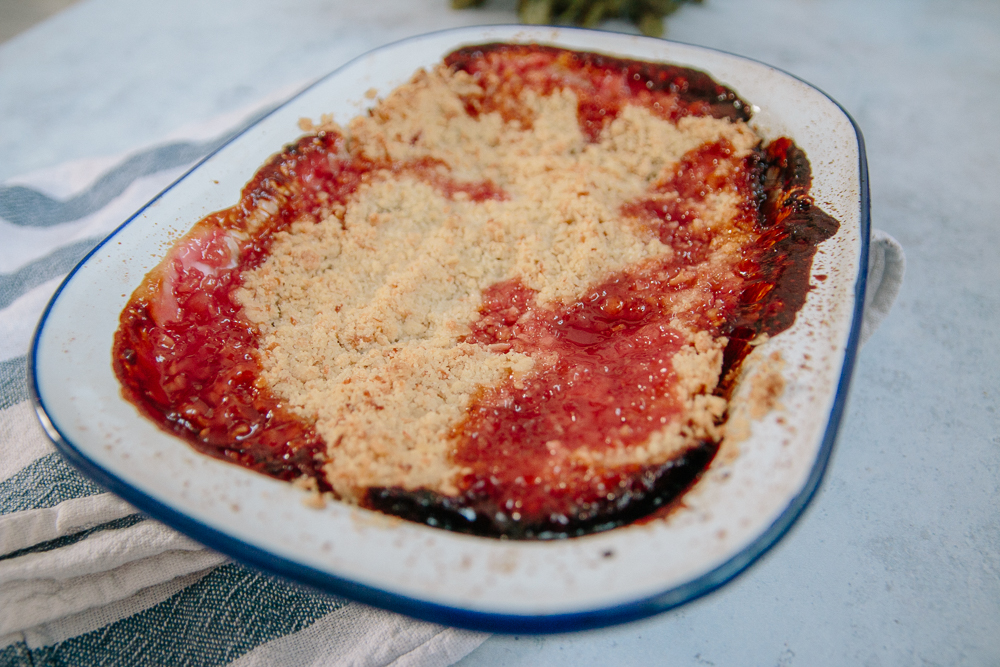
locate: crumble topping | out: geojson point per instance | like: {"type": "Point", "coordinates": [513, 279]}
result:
{"type": "Point", "coordinates": [361, 315]}
{"type": "Point", "coordinates": [512, 300]}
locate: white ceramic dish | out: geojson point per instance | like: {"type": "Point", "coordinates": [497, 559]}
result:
{"type": "Point", "coordinates": [731, 517]}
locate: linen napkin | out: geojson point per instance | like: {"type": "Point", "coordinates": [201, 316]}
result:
{"type": "Point", "coordinates": [85, 578]}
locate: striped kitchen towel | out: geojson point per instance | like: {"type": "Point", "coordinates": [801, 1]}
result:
{"type": "Point", "coordinates": [84, 578]}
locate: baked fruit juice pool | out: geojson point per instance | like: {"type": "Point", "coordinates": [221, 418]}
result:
{"type": "Point", "coordinates": [591, 416]}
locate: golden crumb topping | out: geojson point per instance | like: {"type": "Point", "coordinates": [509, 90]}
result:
{"type": "Point", "coordinates": [363, 316]}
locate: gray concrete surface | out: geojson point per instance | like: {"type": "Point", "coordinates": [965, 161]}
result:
{"type": "Point", "coordinates": [16, 16]}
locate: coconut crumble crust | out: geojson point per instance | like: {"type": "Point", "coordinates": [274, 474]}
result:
{"type": "Point", "coordinates": [362, 315]}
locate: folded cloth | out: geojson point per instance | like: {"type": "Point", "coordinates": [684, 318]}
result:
{"type": "Point", "coordinates": [886, 266]}
{"type": "Point", "coordinates": [85, 578]}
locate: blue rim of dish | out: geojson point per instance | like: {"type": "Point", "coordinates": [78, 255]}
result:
{"type": "Point", "coordinates": [326, 582]}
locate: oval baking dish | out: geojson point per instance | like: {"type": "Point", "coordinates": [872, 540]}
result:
{"type": "Point", "coordinates": [741, 506]}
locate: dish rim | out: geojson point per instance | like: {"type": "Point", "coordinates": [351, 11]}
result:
{"type": "Point", "coordinates": [474, 619]}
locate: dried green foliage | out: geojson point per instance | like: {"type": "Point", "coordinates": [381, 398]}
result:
{"type": "Point", "coordinates": [648, 15]}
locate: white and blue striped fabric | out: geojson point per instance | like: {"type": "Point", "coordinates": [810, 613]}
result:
{"type": "Point", "coordinates": [84, 578]}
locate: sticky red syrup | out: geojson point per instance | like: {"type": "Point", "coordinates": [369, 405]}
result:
{"type": "Point", "coordinates": [188, 358]}
{"type": "Point", "coordinates": [603, 85]}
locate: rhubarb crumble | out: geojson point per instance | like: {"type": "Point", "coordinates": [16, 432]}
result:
{"type": "Point", "coordinates": [508, 300]}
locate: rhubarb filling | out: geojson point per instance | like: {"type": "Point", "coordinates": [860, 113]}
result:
{"type": "Point", "coordinates": [509, 300]}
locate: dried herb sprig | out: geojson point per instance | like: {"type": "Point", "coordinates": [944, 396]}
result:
{"type": "Point", "coordinates": [648, 15]}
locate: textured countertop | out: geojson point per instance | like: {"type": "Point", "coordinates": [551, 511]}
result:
{"type": "Point", "coordinates": [897, 561]}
